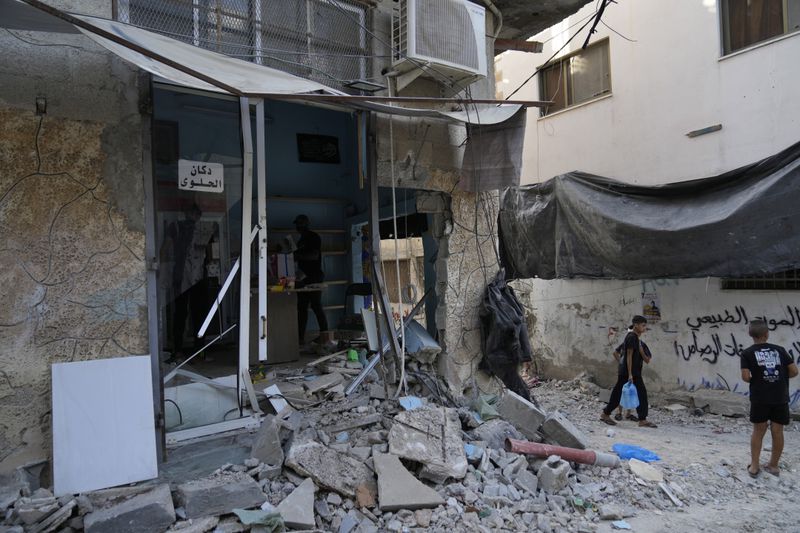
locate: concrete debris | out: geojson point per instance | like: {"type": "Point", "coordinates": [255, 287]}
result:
{"type": "Point", "coordinates": [645, 471]}
{"type": "Point", "coordinates": [56, 519]}
{"type": "Point", "coordinates": [267, 444]}
{"type": "Point", "coordinates": [147, 511]}
{"type": "Point", "coordinates": [558, 429]}
{"type": "Point", "coordinates": [431, 436]}
{"type": "Point", "coordinates": [323, 382]}
{"type": "Point", "coordinates": [398, 489]}
{"type": "Point", "coordinates": [219, 494]}
{"type": "Point", "coordinates": [297, 509]}
{"type": "Point", "coordinates": [32, 510]}
{"type": "Point", "coordinates": [495, 432]}
{"type": "Point", "coordinates": [553, 474]}
{"type": "Point", "coordinates": [610, 512]}
{"type": "Point", "coordinates": [355, 423]}
{"type": "Point", "coordinates": [196, 525]}
{"type": "Point", "coordinates": [528, 481]}
{"type": "Point", "coordinates": [525, 416]}
{"type": "Point", "coordinates": [720, 402]}
{"type": "Point", "coordinates": [328, 468]}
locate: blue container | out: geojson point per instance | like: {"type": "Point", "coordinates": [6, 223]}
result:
{"type": "Point", "coordinates": [630, 396]}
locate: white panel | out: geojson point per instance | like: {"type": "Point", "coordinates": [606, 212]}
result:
{"type": "Point", "coordinates": [103, 424]}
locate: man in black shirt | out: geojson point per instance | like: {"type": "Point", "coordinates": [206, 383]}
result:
{"type": "Point", "coordinates": [623, 373]}
{"type": "Point", "coordinates": [767, 368]}
{"type": "Point", "coordinates": [309, 261]}
{"type": "Point", "coordinates": [630, 370]}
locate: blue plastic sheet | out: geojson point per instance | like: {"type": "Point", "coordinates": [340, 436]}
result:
{"type": "Point", "coordinates": [631, 451]}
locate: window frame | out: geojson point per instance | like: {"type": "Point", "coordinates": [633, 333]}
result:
{"type": "Point", "coordinates": [787, 280]}
{"type": "Point", "coordinates": [724, 29]}
{"type": "Point", "coordinates": [563, 63]}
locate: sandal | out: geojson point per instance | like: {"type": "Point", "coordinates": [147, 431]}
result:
{"type": "Point", "coordinates": [607, 419]}
{"type": "Point", "coordinates": [771, 470]}
{"type": "Point", "coordinates": [618, 417]}
{"type": "Point", "coordinates": [633, 418]}
{"type": "Point", "coordinates": [753, 475]}
{"type": "Point", "coordinates": [646, 424]}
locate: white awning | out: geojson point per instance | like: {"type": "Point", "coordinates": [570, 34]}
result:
{"type": "Point", "coordinates": [193, 67]}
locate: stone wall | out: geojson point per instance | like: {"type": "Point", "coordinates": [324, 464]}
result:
{"type": "Point", "coordinates": [72, 274]}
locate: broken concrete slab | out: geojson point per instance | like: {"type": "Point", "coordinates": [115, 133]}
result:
{"type": "Point", "coordinates": [297, 509]}
{"type": "Point", "coordinates": [323, 382]}
{"type": "Point", "coordinates": [398, 489]}
{"type": "Point", "coordinates": [645, 471]}
{"type": "Point", "coordinates": [527, 480]}
{"type": "Point", "coordinates": [55, 520]}
{"type": "Point", "coordinates": [328, 468]}
{"type": "Point", "coordinates": [355, 423]}
{"type": "Point", "coordinates": [495, 432]}
{"type": "Point", "coordinates": [521, 413]}
{"type": "Point", "coordinates": [147, 511]}
{"type": "Point", "coordinates": [196, 525]}
{"type": "Point", "coordinates": [219, 494]}
{"type": "Point", "coordinates": [721, 402]}
{"type": "Point", "coordinates": [32, 510]}
{"type": "Point", "coordinates": [553, 474]}
{"type": "Point", "coordinates": [560, 430]}
{"type": "Point", "coordinates": [431, 436]}
{"type": "Point", "coordinates": [267, 444]}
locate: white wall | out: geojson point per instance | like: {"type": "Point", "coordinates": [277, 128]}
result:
{"type": "Point", "coordinates": [573, 321]}
{"type": "Point", "coordinates": [671, 81]}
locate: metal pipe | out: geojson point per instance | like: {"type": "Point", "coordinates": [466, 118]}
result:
{"type": "Point", "coordinates": [498, 16]}
{"type": "Point", "coordinates": [586, 457]}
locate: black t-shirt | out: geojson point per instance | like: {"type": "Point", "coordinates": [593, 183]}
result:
{"type": "Point", "coordinates": [768, 365]}
{"type": "Point", "coordinates": [309, 243]}
{"type": "Point", "coordinates": [623, 361]}
{"type": "Point", "coordinates": [632, 342]}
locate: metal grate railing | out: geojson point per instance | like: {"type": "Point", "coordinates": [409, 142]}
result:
{"type": "Point", "coordinates": [788, 280]}
{"type": "Point", "coordinates": [323, 40]}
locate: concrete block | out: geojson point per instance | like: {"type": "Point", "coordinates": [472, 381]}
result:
{"type": "Point", "coordinates": [297, 509]}
{"type": "Point", "coordinates": [323, 382]}
{"type": "Point", "coordinates": [560, 430]}
{"type": "Point", "coordinates": [144, 512]}
{"type": "Point", "coordinates": [553, 474]}
{"type": "Point", "coordinates": [495, 432]}
{"type": "Point", "coordinates": [328, 468]}
{"type": "Point", "coordinates": [398, 489]}
{"type": "Point", "coordinates": [267, 444]}
{"type": "Point", "coordinates": [431, 436]}
{"type": "Point", "coordinates": [527, 480]}
{"type": "Point", "coordinates": [720, 402]}
{"type": "Point", "coordinates": [219, 494]}
{"type": "Point", "coordinates": [604, 395]}
{"type": "Point", "coordinates": [197, 525]}
{"type": "Point", "coordinates": [525, 416]}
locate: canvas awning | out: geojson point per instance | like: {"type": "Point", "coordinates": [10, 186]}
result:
{"type": "Point", "coordinates": [190, 66]}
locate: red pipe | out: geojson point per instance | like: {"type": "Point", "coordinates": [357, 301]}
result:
{"type": "Point", "coordinates": [586, 457]}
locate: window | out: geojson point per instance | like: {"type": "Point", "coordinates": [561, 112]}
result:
{"type": "Point", "coordinates": [316, 39]}
{"type": "Point", "coordinates": [747, 22]}
{"type": "Point", "coordinates": [577, 78]}
{"type": "Point", "coordinates": [782, 281]}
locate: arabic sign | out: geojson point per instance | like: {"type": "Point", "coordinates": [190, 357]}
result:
{"type": "Point", "coordinates": [200, 176]}
{"type": "Point", "coordinates": [651, 307]}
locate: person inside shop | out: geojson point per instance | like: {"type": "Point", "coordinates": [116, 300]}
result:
{"type": "Point", "coordinates": [189, 242]}
{"type": "Point", "coordinates": [309, 263]}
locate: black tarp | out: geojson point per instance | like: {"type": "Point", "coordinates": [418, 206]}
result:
{"type": "Point", "coordinates": [741, 223]}
{"type": "Point", "coordinates": [504, 335]}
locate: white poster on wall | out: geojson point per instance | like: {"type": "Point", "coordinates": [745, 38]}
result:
{"type": "Point", "coordinates": [200, 176]}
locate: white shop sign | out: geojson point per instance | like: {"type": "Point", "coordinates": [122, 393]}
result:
{"type": "Point", "coordinates": [200, 176]}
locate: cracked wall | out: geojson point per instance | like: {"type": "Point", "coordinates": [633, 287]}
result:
{"type": "Point", "coordinates": [72, 274]}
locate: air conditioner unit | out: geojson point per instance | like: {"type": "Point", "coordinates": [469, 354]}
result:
{"type": "Point", "coordinates": [441, 38]}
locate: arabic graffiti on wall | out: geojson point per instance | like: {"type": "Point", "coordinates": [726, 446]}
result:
{"type": "Point", "coordinates": [200, 176]}
{"type": "Point", "coordinates": [709, 343]}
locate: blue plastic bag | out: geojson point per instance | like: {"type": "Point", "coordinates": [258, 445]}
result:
{"type": "Point", "coordinates": [631, 451]}
{"type": "Point", "coordinates": [630, 396]}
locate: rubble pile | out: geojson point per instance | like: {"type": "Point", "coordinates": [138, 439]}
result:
{"type": "Point", "coordinates": [365, 463]}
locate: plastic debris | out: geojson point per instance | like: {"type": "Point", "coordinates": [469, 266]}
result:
{"type": "Point", "coordinates": [631, 451]}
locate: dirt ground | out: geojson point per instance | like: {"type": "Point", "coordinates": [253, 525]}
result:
{"type": "Point", "coordinates": [706, 455]}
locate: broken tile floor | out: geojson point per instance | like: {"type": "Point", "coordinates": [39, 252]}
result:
{"type": "Point", "coordinates": [364, 464]}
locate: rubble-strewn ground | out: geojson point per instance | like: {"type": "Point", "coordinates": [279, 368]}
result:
{"type": "Point", "coordinates": [706, 455]}
{"type": "Point", "coordinates": [323, 467]}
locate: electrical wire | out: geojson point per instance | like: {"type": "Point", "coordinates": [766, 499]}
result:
{"type": "Point", "coordinates": [603, 22]}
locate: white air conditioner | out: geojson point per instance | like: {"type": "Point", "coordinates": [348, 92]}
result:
{"type": "Point", "coordinates": [441, 38]}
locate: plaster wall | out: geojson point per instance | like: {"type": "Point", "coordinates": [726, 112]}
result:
{"type": "Point", "coordinates": [672, 80]}
{"type": "Point", "coordinates": [577, 324]}
{"type": "Point", "coordinates": [72, 272]}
